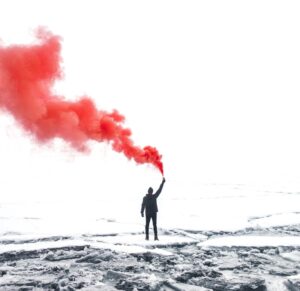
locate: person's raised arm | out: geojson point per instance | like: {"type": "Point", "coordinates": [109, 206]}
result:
{"type": "Point", "coordinates": [160, 188]}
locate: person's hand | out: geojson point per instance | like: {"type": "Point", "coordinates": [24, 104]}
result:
{"type": "Point", "coordinates": [142, 214]}
{"type": "Point", "coordinates": [164, 180]}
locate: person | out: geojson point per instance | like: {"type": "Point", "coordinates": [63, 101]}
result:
{"type": "Point", "coordinates": [150, 205]}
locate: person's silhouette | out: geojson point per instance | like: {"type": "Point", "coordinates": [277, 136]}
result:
{"type": "Point", "coordinates": [150, 204]}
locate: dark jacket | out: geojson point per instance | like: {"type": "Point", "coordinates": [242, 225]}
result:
{"type": "Point", "coordinates": [149, 202]}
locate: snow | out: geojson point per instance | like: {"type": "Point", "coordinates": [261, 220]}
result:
{"type": "Point", "coordinates": [197, 220]}
{"type": "Point", "coordinates": [164, 240]}
{"type": "Point", "coordinates": [130, 249]}
{"type": "Point", "coordinates": [252, 241]}
{"type": "Point", "coordinates": [48, 245]}
{"type": "Point", "coordinates": [280, 219]}
{"type": "Point", "coordinates": [208, 207]}
{"type": "Point", "coordinates": [293, 256]}
{"type": "Point", "coordinates": [121, 243]}
{"type": "Point", "coordinates": [296, 277]}
{"type": "Point", "coordinates": [40, 245]}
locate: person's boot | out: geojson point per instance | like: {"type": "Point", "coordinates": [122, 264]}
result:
{"type": "Point", "coordinates": [147, 237]}
{"type": "Point", "coordinates": [156, 238]}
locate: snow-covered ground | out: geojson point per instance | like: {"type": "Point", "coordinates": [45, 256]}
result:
{"type": "Point", "coordinates": [253, 241]}
{"type": "Point", "coordinates": [213, 235]}
{"type": "Point", "coordinates": [206, 208]}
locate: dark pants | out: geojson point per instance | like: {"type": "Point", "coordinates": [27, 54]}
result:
{"type": "Point", "coordinates": [152, 216]}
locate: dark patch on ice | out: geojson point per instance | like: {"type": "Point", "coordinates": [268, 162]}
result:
{"type": "Point", "coordinates": [34, 240]}
{"type": "Point", "coordinates": [19, 218]}
{"type": "Point", "coordinates": [197, 273]}
{"type": "Point", "coordinates": [24, 254]}
{"type": "Point", "coordinates": [293, 284]}
{"type": "Point", "coordinates": [252, 218]}
{"type": "Point", "coordinates": [100, 235]}
{"type": "Point", "coordinates": [11, 233]}
{"type": "Point", "coordinates": [97, 257]}
{"type": "Point", "coordinates": [107, 220]}
{"type": "Point", "coordinates": [274, 230]}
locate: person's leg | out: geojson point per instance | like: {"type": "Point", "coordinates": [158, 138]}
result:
{"type": "Point", "coordinates": [148, 217]}
{"type": "Point", "coordinates": [154, 221]}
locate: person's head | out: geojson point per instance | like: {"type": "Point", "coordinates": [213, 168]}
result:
{"type": "Point", "coordinates": [150, 190]}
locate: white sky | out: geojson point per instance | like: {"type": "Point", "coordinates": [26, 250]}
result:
{"type": "Point", "coordinates": [214, 85]}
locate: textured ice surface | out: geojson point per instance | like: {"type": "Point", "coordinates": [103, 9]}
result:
{"type": "Point", "coordinates": [235, 238]}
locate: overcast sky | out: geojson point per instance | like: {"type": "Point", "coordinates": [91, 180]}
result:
{"type": "Point", "coordinates": [214, 85]}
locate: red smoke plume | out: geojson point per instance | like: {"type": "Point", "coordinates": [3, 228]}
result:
{"type": "Point", "coordinates": [27, 74]}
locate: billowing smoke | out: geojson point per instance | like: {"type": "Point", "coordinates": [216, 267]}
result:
{"type": "Point", "coordinates": [27, 75]}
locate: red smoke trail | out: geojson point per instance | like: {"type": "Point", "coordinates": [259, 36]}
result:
{"type": "Point", "coordinates": [27, 74]}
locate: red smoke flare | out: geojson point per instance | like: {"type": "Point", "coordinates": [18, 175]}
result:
{"type": "Point", "coordinates": [27, 74]}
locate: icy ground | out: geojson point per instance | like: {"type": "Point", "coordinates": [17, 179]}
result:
{"type": "Point", "coordinates": [229, 237]}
